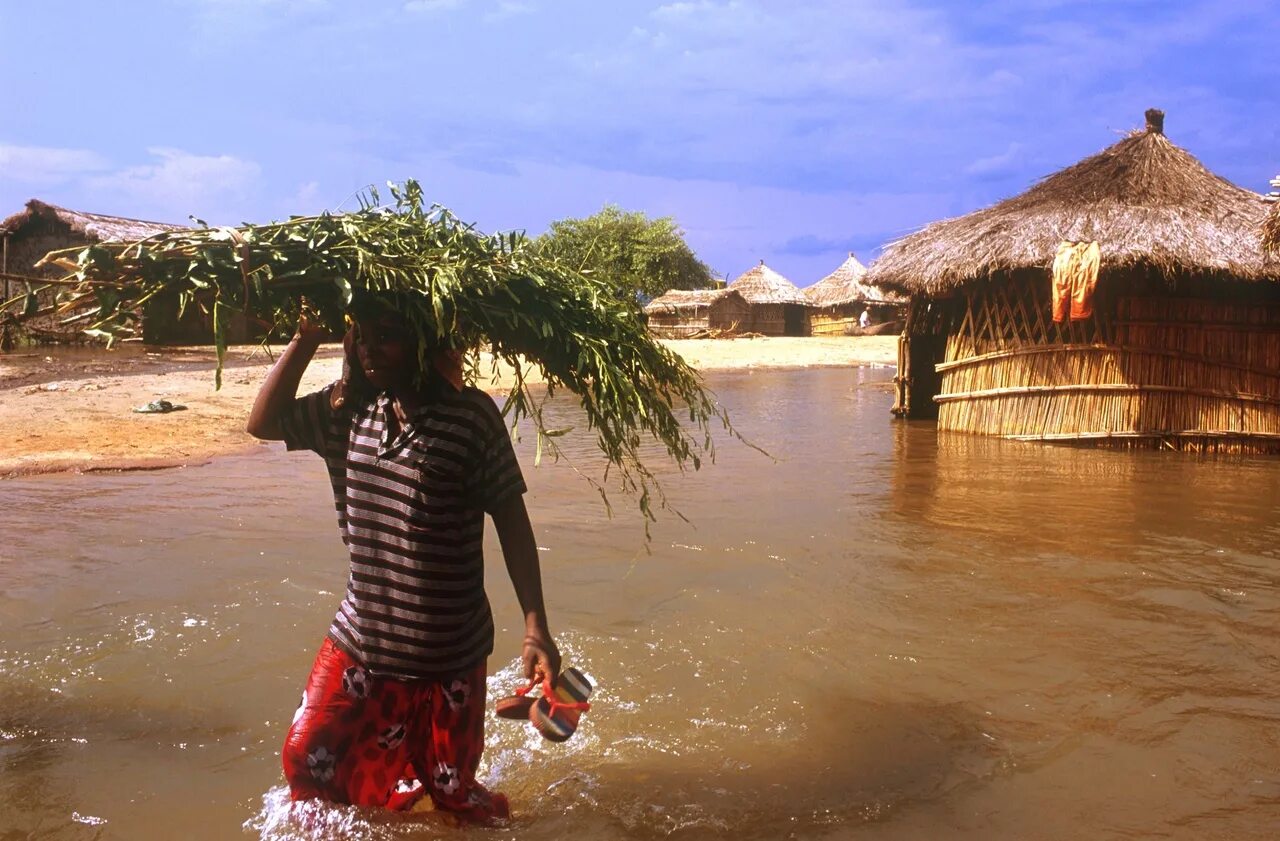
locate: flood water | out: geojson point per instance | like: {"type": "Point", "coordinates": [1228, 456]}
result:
{"type": "Point", "coordinates": [880, 633]}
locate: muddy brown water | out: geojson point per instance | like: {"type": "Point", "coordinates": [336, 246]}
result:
{"type": "Point", "coordinates": [883, 634]}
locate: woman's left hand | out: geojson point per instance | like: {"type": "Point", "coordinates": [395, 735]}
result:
{"type": "Point", "coordinates": [540, 656]}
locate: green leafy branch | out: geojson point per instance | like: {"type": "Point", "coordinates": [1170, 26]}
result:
{"type": "Point", "coordinates": [456, 287]}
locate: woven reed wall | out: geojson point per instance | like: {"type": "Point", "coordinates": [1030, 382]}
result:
{"type": "Point", "coordinates": [674, 325]}
{"type": "Point", "coordinates": [1185, 373]}
{"type": "Point", "coordinates": [25, 250]}
{"type": "Point", "coordinates": [828, 323]}
{"type": "Point", "coordinates": [159, 318]}
{"type": "Point", "coordinates": [775, 319]}
{"type": "Point", "coordinates": [729, 314]}
{"type": "Point", "coordinates": [726, 314]}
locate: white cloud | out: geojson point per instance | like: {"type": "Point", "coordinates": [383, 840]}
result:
{"type": "Point", "coordinates": [237, 21]}
{"type": "Point", "coordinates": [428, 6]}
{"type": "Point", "coordinates": [508, 9]}
{"type": "Point", "coordinates": [46, 165]}
{"type": "Point", "coordinates": [180, 182]}
{"type": "Point", "coordinates": [997, 166]}
{"type": "Point", "coordinates": [306, 199]}
{"type": "Point", "coordinates": [681, 10]}
{"type": "Point", "coordinates": [242, 7]}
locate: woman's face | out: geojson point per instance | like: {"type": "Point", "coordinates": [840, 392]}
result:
{"type": "Point", "coordinates": [385, 351]}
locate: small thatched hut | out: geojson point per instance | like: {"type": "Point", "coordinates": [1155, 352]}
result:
{"type": "Point", "coordinates": [777, 306]}
{"type": "Point", "coordinates": [40, 227]}
{"type": "Point", "coordinates": [680, 313]}
{"type": "Point", "coordinates": [1181, 350]}
{"type": "Point", "coordinates": [839, 299]}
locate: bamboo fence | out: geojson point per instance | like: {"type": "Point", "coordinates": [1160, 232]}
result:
{"type": "Point", "coordinates": [833, 321]}
{"type": "Point", "coordinates": [1187, 373]}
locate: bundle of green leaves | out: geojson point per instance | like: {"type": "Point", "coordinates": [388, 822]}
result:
{"type": "Point", "coordinates": [455, 286]}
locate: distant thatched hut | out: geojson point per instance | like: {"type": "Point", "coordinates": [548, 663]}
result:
{"type": "Point", "coordinates": [838, 300]}
{"type": "Point", "coordinates": [41, 227]}
{"type": "Point", "coordinates": [679, 313]}
{"type": "Point", "coordinates": [777, 306]}
{"type": "Point", "coordinates": [37, 229]}
{"type": "Point", "coordinates": [1182, 348]}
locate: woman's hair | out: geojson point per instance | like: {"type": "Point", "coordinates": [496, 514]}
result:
{"type": "Point", "coordinates": [354, 388]}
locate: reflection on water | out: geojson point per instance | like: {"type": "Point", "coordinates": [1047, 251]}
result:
{"type": "Point", "coordinates": [879, 632]}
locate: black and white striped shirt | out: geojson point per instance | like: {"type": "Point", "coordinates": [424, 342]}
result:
{"type": "Point", "coordinates": [411, 512]}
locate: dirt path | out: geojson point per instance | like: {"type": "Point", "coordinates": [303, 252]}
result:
{"type": "Point", "coordinates": [72, 410]}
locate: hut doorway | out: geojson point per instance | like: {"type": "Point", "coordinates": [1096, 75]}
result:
{"type": "Point", "coordinates": [793, 320]}
{"type": "Point", "coordinates": [921, 347]}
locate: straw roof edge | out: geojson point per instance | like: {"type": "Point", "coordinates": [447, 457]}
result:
{"type": "Point", "coordinates": [1143, 199]}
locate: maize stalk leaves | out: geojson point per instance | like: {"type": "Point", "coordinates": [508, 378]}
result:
{"type": "Point", "coordinates": [455, 286]}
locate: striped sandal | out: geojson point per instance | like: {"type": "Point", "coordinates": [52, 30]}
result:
{"type": "Point", "coordinates": [556, 713]}
{"type": "Point", "coordinates": [516, 707]}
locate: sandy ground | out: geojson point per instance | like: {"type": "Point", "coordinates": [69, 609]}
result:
{"type": "Point", "coordinates": [68, 410]}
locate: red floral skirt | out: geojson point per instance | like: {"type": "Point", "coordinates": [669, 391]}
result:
{"type": "Point", "coordinates": [366, 740]}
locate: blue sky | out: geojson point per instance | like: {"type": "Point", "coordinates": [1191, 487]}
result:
{"type": "Point", "coordinates": [791, 132]}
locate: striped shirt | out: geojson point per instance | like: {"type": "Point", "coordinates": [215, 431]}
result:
{"type": "Point", "coordinates": [411, 512]}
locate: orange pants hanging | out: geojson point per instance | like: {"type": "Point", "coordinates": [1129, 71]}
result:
{"type": "Point", "coordinates": [1075, 275]}
{"type": "Point", "coordinates": [375, 741]}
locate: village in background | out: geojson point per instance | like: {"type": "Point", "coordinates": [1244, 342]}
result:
{"type": "Point", "coordinates": [760, 302]}
{"type": "Point", "coordinates": [1129, 300]}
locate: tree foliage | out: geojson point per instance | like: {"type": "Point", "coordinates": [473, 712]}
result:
{"type": "Point", "coordinates": [634, 254]}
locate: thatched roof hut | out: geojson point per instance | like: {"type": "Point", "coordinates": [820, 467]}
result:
{"type": "Point", "coordinates": [680, 313]}
{"type": "Point", "coordinates": [1145, 201]}
{"type": "Point", "coordinates": [1177, 339]}
{"type": "Point", "coordinates": [839, 299]}
{"type": "Point", "coordinates": [39, 228]}
{"type": "Point", "coordinates": [777, 306]}
{"type": "Point", "coordinates": [843, 286]}
{"type": "Point", "coordinates": [92, 227]}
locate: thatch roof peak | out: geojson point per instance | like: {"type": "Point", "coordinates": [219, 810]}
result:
{"type": "Point", "coordinates": [1143, 200]}
{"type": "Point", "coordinates": [762, 285]}
{"type": "Point", "coordinates": [846, 286]}
{"type": "Point", "coordinates": [94, 226]}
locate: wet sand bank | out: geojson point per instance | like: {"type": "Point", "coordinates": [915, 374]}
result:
{"type": "Point", "coordinates": [72, 410]}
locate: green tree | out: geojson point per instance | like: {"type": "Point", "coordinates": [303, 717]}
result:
{"type": "Point", "coordinates": [640, 256]}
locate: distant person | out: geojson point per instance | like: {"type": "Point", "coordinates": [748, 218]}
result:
{"type": "Point", "coordinates": [394, 707]}
{"type": "Point", "coordinates": [864, 320]}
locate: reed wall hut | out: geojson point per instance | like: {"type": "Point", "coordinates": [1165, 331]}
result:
{"type": "Point", "coordinates": [777, 307]}
{"type": "Point", "coordinates": [31, 233]}
{"type": "Point", "coordinates": [679, 314]}
{"type": "Point", "coordinates": [1182, 349]}
{"type": "Point", "coordinates": [836, 303]}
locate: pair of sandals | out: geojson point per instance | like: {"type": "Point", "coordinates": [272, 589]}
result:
{"type": "Point", "coordinates": [556, 712]}
{"type": "Point", "coordinates": [158, 407]}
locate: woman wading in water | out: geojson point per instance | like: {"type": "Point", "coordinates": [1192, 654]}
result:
{"type": "Point", "coordinates": [394, 707]}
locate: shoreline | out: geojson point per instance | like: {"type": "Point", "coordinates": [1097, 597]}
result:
{"type": "Point", "coordinates": [70, 410]}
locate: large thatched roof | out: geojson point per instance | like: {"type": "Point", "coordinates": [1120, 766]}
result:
{"type": "Point", "coordinates": [1143, 200]}
{"type": "Point", "coordinates": [846, 285]}
{"type": "Point", "coordinates": [679, 300]}
{"type": "Point", "coordinates": [762, 285]}
{"type": "Point", "coordinates": [93, 226]}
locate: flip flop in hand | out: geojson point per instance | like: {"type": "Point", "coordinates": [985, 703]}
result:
{"type": "Point", "coordinates": [555, 715]}
{"type": "Point", "coordinates": [516, 707]}
{"type": "Point", "coordinates": [556, 712]}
